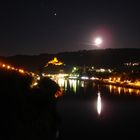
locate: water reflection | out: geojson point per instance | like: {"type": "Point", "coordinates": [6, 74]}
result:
{"type": "Point", "coordinates": [82, 84]}
{"type": "Point", "coordinates": [110, 88]}
{"type": "Point", "coordinates": [65, 85]}
{"type": "Point", "coordinates": [119, 90]}
{"type": "Point", "coordinates": [113, 112]}
{"type": "Point", "coordinates": [99, 104]}
{"type": "Point", "coordinates": [123, 90]}
{"type": "Point", "coordinates": [61, 82]}
{"type": "Point", "coordinates": [74, 85]}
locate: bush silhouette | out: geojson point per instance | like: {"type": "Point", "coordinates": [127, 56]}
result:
{"type": "Point", "coordinates": [27, 113]}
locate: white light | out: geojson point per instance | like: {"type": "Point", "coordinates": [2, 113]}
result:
{"type": "Point", "coordinates": [92, 78]}
{"type": "Point", "coordinates": [73, 77]}
{"type": "Point", "coordinates": [73, 85]}
{"type": "Point", "coordinates": [98, 41]}
{"type": "Point", "coordinates": [84, 78]}
{"type": "Point", "coordinates": [61, 82]}
{"type": "Point", "coordinates": [99, 104]}
{"type": "Point", "coordinates": [38, 78]}
{"type": "Point", "coordinates": [43, 74]}
{"type": "Point", "coordinates": [35, 84]}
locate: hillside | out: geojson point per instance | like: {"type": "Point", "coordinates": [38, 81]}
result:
{"type": "Point", "coordinates": [104, 58]}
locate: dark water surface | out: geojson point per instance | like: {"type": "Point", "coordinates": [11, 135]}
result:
{"type": "Point", "coordinates": [87, 110]}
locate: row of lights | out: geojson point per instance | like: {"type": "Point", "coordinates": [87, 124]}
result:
{"type": "Point", "coordinates": [22, 71]}
{"type": "Point", "coordinates": [8, 67]}
{"type": "Point", "coordinates": [120, 90]}
{"type": "Point", "coordinates": [35, 76]}
{"type": "Point", "coordinates": [118, 79]}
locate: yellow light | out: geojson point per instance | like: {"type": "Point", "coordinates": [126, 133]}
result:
{"type": "Point", "coordinates": [60, 75]}
{"type": "Point", "coordinates": [119, 90]}
{"type": "Point", "coordinates": [125, 91]}
{"type": "Point", "coordinates": [8, 67]}
{"type": "Point", "coordinates": [13, 68]}
{"type": "Point", "coordinates": [35, 84]}
{"type": "Point", "coordinates": [114, 79]}
{"type": "Point", "coordinates": [3, 65]}
{"type": "Point", "coordinates": [110, 88]}
{"type": "Point", "coordinates": [38, 78]}
{"type": "Point", "coordinates": [55, 61]}
{"type": "Point", "coordinates": [137, 83]}
{"type": "Point", "coordinates": [130, 90]}
{"type": "Point", "coordinates": [137, 92]}
{"type": "Point", "coordinates": [21, 70]}
{"type": "Point", "coordinates": [119, 79]}
{"type": "Point", "coordinates": [32, 74]}
{"type": "Point", "coordinates": [61, 82]}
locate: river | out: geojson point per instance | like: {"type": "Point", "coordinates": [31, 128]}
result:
{"type": "Point", "coordinates": [88, 110]}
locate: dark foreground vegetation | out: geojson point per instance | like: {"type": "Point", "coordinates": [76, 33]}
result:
{"type": "Point", "coordinates": [27, 113]}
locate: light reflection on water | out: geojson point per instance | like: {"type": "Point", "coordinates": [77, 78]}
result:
{"type": "Point", "coordinates": [123, 90]}
{"type": "Point", "coordinates": [76, 84]}
{"type": "Point", "coordinates": [99, 104]}
{"type": "Point", "coordinates": [61, 82]}
{"type": "Point", "coordinates": [73, 85]}
{"type": "Point", "coordinates": [82, 84]}
{"type": "Point", "coordinates": [102, 108]}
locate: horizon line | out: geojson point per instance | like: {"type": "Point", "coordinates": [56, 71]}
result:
{"type": "Point", "coordinates": [70, 52]}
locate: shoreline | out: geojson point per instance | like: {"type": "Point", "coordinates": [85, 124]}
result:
{"type": "Point", "coordinates": [118, 84]}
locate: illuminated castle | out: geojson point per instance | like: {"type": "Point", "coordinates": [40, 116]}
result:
{"type": "Point", "coordinates": [54, 66]}
{"type": "Point", "coordinates": [55, 62]}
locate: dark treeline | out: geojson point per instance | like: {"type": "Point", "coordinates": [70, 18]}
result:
{"type": "Point", "coordinates": [100, 58]}
{"type": "Point", "coordinates": [27, 113]}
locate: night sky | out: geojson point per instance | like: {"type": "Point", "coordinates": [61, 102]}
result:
{"type": "Point", "coordinates": [51, 26]}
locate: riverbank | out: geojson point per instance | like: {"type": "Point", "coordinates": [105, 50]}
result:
{"type": "Point", "coordinates": [119, 84]}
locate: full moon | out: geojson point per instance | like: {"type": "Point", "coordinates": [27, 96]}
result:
{"type": "Point", "coordinates": [98, 41]}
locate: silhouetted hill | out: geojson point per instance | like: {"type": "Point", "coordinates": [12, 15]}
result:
{"type": "Point", "coordinates": [27, 113]}
{"type": "Point", "coordinates": [106, 58]}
